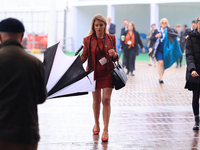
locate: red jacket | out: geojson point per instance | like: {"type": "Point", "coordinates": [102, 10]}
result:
{"type": "Point", "coordinates": [90, 45]}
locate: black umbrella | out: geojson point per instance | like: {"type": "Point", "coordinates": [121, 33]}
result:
{"type": "Point", "coordinates": [65, 75]}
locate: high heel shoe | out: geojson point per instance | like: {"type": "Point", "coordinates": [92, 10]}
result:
{"type": "Point", "coordinates": [95, 132]}
{"type": "Point", "coordinates": [104, 139]}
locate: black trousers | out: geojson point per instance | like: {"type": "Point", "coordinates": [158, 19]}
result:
{"type": "Point", "coordinates": [179, 61]}
{"type": "Point", "coordinates": [130, 55]}
{"type": "Point", "coordinates": [195, 103]}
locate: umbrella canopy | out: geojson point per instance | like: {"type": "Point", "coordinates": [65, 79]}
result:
{"type": "Point", "coordinates": [65, 75]}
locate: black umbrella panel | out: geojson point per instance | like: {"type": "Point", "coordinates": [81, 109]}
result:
{"type": "Point", "coordinates": [65, 75]}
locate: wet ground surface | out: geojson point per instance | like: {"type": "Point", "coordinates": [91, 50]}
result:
{"type": "Point", "coordinates": [145, 116]}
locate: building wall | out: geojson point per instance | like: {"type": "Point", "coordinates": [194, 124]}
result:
{"type": "Point", "coordinates": [83, 22]}
{"type": "Point", "coordinates": [179, 13]}
{"type": "Point", "coordinates": [139, 14]}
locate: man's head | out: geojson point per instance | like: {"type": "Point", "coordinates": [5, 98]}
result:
{"type": "Point", "coordinates": [185, 27]}
{"type": "Point", "coordinates": [11, 28]}
{"type": "Point", "coordinates": [178, 27]}
{"type": "Point", "coordinates": [125, 21]}
{"type": "Point", "coordinates": [109, 19]}
{"type": "Point", "coordinates": [153, 26]}
{"type": "Point", "coordinates": [194, 26]}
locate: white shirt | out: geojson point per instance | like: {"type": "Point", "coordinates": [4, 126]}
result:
{"type": "Point", "coordinates": [163, 33]}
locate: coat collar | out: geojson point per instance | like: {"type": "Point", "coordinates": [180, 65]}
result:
{"type": "Point", "coordinates": [9, 43]}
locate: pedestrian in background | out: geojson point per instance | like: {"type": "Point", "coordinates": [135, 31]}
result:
{"type": "Point", "coordinates": [125, 28]}
{"type": "Point", "coordinates": [188, 30]}
{"type": "Point", "coordinates": [193, 70]}
{"type": "Point", "coordinates": [22, 89]}
{"type": "Point", "coordinates": [111, 26]}
{"type": "Point", "coordinates": [181, 40]}
{"type": "Point", "coordinates": [166, 48]}
{"type": "Point", "coordinates": [130, 46]}
{"type": "Point", "coordinates": [100, 51]}
{"type": "Point", "coordinates": [153, 28]}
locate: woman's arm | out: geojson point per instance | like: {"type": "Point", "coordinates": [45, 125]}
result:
{"type": "Point", "coordinates": [115, 56]}
{"type": "Point", "coordinates": [190, 55]}
{"type": "Point", "coordinates": [139, 40]}
{"type": "Point", "coordinates": [84, 55]}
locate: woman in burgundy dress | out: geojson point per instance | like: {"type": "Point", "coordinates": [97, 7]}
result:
{"type": "Point", "coordinates": [100, 51]}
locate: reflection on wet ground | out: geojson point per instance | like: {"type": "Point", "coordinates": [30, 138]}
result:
{"type": "Point", "coordinates": [145, 116]}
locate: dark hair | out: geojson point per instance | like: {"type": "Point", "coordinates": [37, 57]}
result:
{"type": "Point", "coordinates": [194, 21]}
{"type": "Point", "coordinates": [153, 24]}
{"type": "Point", "coordinates": [185, 25]}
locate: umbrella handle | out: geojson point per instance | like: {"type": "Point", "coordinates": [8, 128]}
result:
{"type": "Point", "coordinates": [79, 50]}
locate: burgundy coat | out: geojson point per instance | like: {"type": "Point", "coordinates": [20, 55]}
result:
{"type": "Point", "coordinates": [90, 45]}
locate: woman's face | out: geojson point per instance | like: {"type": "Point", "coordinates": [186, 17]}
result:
{"type": "Point", "coordinates": [130, 27]}
{"type": "Point", "coordinates": [99, 27]}
{"type": "Point", "coordinates": [164, 24]}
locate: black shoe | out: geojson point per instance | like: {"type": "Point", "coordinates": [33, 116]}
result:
{"type": "Point", "coordinates": [177, 66]}
{"type": "Point", "coordinates": [150, 64]}
{"type": "Point", "coordinates": [127, 72]}
{"type": "Point", "coordinates": [132, 74]}
{"type": "Point", "coordinates": [161, 82]}
{"type": "Point", "coordinates": [196, 125]}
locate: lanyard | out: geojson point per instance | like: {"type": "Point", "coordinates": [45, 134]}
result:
{"type": "Point", "coordinates": [101, 51]}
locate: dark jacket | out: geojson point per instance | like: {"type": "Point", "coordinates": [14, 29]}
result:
{"type": "Point", "coordinates": [193, 51]}
{"type": "Point", "coordinates": [187, 31]}
{"type": "Point", "coordinates": [112, 29]}
{"type": "Point", "coordinates": [192, 57]}
{"type": "Point", "coordinates": [122, 31]}
{"type": "Point", "coordinates": [137, 40]}
{"type": "Point", "coordinates": [22, 88]}
{"type": "Point", "coordinates": [172, 33]}
{"type": "Point", "coordinates": [153, 38]}
{"type": "Point", "coordinates": [182, 40]}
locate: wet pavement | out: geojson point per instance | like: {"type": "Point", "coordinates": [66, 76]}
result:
{"type": "Point", "coordinates": [145, 116]}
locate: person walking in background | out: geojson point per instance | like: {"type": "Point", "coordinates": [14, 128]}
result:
{"type": "Point", "coordinates": [181, 40]}
{"type": "Point", "coordinates": [130, 46]}
{"type": "Point", "coordinates": [22, 89]}
{"type": "Point", "coordinates": [193, 70]}
{"type": "Point", "coordinates": [166, 48]}
{"type": "Point", "coordinates": [153, 28]}
{"type": "Point", "coordinates": [100, 51]}
{"type": "Point", "coordinates": [193, 27]}
{"type": "Point", "coordinates": [111, 26]}
{"type": "Point", "coordinates": [125, 28]}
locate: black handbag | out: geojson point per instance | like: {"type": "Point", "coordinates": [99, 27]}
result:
{"type": "Point", "coordinates": [119, 77]}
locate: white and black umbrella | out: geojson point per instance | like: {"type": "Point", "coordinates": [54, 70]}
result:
{"type": "Point", "coordinates": [65, 75]}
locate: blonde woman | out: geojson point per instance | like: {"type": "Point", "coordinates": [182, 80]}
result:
{"type": "Point", "coordinates": [166, 47]}
{"type": "Point", "coordinates": [100, 50]}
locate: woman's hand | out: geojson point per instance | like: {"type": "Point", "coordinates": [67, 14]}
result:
{"type": "Point", "coordinates": [112, 53]}
{"type": "Point", "coordinates": [143, 50]}
{"type": "Point", "coordinates": [194, 74]}
{"type": "Point", "coordinates": [158, 35]}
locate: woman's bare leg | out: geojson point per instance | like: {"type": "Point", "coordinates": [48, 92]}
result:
{"type": "Point", "coordinates": [106, 109]}
{"type": "Point", "coordinates": [96, 107]}
{"type": "Point", "coordinates": [161, 69]}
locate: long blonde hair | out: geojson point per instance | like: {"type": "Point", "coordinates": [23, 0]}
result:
{"type": "Point", "coordinates": [100, 18]}
{"type": "Point", "coordinates": [164, 19]}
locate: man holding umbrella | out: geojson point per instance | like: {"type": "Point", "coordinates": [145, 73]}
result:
{"type": "Point", "coordinates": [22, 88]}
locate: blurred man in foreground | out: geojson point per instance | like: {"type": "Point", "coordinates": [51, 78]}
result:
{"type": "Point", "coordinates": [22, 88]}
